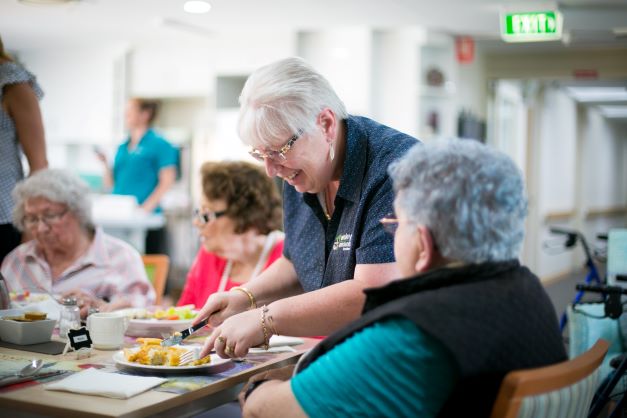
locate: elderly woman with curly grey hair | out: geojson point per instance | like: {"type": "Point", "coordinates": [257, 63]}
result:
{"type": "Point", "coordinates": [438, 341]}
{"type": "Point", "coordinates": [67, 255]}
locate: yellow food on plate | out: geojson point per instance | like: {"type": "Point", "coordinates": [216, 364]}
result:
{"type": "Point", "coordinates": [35, 316]}
{"type": "Point", "coordinates": [149, 341]}
{"type": "Point", "coordinates": [204, 360]}
{"type": "Point", "coordinates": [27, 317]}
{"type": "Point", "coordinates": [151, 353]}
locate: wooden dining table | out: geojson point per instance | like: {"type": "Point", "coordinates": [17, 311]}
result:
{"type": "Point", "coordinates": [31, 399]}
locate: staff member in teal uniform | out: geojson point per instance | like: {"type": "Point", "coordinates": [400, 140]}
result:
{"type": "Point", "coordinates": [144, 166]}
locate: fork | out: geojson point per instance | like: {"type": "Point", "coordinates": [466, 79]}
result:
{"type": "Point", "coordinates": [188, 357]}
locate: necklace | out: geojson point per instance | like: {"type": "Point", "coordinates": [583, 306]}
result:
{"type": "Point", "coordinates": [326, 205]}
{"type": "Point", "coordinates": [323, 199]}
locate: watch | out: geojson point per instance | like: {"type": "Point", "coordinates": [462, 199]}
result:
{"type": "Point", "coordinates": [254, 385]}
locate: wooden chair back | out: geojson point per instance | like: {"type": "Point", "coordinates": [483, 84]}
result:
{"type": "Point", "coordinates": [157, 267]}
{"type": "Point", "coordinates": [560, 390]}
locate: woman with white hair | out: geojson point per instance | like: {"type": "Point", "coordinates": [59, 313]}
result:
{"type": "Point", "coordinates": [67, 255]}
{"type": "Point", "coordinates": [439, 341]}
{"type": "Point", "coordinates": [336, 188]}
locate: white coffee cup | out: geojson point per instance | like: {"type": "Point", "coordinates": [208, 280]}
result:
{"type": "Point", "coordinates": [106, 329]}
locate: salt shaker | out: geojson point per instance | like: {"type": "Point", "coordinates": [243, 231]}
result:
{"type": "Point", "coordinates": [70, 317]}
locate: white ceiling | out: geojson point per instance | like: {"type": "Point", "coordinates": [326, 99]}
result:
{"type": "Point", "coordinates": [91, 22]}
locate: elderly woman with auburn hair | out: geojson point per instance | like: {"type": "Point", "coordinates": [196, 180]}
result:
{"type": "Point", "coordinates": [239, 224]}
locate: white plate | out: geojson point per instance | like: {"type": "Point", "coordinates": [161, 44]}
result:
{"type": "Point", "coordinates": [156, 327]}
{"type": "Point", "coordinates": [150, 327]}
{"type": "Point", "coordinates": [217, 365]}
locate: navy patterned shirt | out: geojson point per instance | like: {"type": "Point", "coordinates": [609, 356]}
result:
{"type": "Point", "coordinates": [326, 252]}
{"type": "Point", "coordinates": [10, 150]}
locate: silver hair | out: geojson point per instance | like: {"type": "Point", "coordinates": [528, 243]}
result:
{"type": "Point", "coordinates": [471, 198]}
{"type": "Point", "coordinates": [283, 98]}
{"type": "Point", "coordinates": [57, 186]}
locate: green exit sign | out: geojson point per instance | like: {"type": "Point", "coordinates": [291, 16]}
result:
{"type": "Point", "coordinates": [531, 26]}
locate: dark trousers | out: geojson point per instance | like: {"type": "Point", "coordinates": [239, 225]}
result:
{"type": "Point", "coordinates": [9, 239]}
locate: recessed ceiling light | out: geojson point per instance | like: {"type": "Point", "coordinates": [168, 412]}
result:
{"type": "Point", "coordinates": [196, 6]}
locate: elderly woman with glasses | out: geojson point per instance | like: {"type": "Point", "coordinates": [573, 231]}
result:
{"type": "Point", "coordinates": [67, 256]}
{"type": "Point", "coordinates": [439, 340]}
{"type": "Point", "coordinates": [336, 189]}
{"type": "Point", "coordinates": [239, 224]}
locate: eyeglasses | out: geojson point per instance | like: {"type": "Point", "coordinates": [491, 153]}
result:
{"type": "Point", "coordinates": [390, 223]}
{"type": "Point", "coordinates": [276, 156]}
{"type": "Point", "coordinates": [49, 219]}
{"type": "Point", "coordinates": [205, 217]}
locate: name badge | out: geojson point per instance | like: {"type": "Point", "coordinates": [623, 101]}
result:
{"type": "Point", "coordinates": [342, 242]}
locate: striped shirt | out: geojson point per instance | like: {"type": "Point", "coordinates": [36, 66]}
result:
{"type": "Point", "coordinates": [110, 269]}
{"type": "Point", "coordinates": [10, 151]}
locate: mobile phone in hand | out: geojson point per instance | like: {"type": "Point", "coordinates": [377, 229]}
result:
{"type": "Point", "coordinates": [100, 152]}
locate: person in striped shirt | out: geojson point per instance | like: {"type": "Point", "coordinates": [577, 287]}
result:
{"type": "Point", "coordinates": [67, 255]}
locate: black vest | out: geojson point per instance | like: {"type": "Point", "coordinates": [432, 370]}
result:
{"type": "Point", "coordinates": [493, 318]}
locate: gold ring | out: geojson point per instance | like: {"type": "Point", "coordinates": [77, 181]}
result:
{"type": "Point", "coordinates": [222, 340]}
{"type": "Point", "coordinates": [228, 350]}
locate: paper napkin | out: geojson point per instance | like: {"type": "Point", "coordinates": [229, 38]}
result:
{"type": "Point", "coordinates": [281, 340]}
{"type": "Point", "coordinates": [110, 385]}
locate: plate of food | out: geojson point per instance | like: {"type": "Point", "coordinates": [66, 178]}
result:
{"type": "Point", "coordinates": [159, 322]}
{"type": "Point", "coordinates": [150, 356]}
{"type": "Point", "coordinates": [33, 301]}
{"type": "Point", "coordinates": [26, 297]}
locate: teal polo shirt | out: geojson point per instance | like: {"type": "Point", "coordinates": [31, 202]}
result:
{"type": "Point", "coordinates": [389, 369]}
{"type": "Point", "coordinates": [136, 171]}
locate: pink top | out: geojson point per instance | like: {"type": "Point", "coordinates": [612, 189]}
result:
{"type": "Point", "coordinates": [109, 269]}
{"type": "Point", "coordinates": [204, 276]}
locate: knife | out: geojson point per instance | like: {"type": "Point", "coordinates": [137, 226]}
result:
{"type": "Point", "coordinates": [177, 337]}
{"type": "Point", "coordinates": [16, 379]}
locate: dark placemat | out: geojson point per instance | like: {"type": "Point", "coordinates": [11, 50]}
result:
{"type": "Point", "coordinates": [50, 347]}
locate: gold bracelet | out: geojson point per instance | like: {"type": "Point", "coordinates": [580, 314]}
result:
{"type": "Point", "coordinates": [253, 303]}
{"type": "Point", "coordinates": [266, 337]}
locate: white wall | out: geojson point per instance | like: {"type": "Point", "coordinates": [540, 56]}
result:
{"type": "Point", "coordinates": [556, 140]}
{"type": "Point", "coordinates": [472, 84]}
{"type": "Point", "coordinates": [558, 147]}
{"type": "Point", "coordinates": [604, 172]}
{"type": "Point", "coordinates": [604, 142]}
{"type": "Point", "coordinates": [394, 85]}
{"type": "Point", "coordinates": [80, 89]}
{"type": "Point", "coordinates": [343, 57]}
{"type": "Point", "coordinates": [175, 71]}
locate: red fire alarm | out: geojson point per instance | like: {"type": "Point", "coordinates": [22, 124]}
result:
{"type": "Point", "coordinates": [465, 49]}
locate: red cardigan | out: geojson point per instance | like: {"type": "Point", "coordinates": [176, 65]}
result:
{"type": "Point", "coordinates": [204, 276]}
